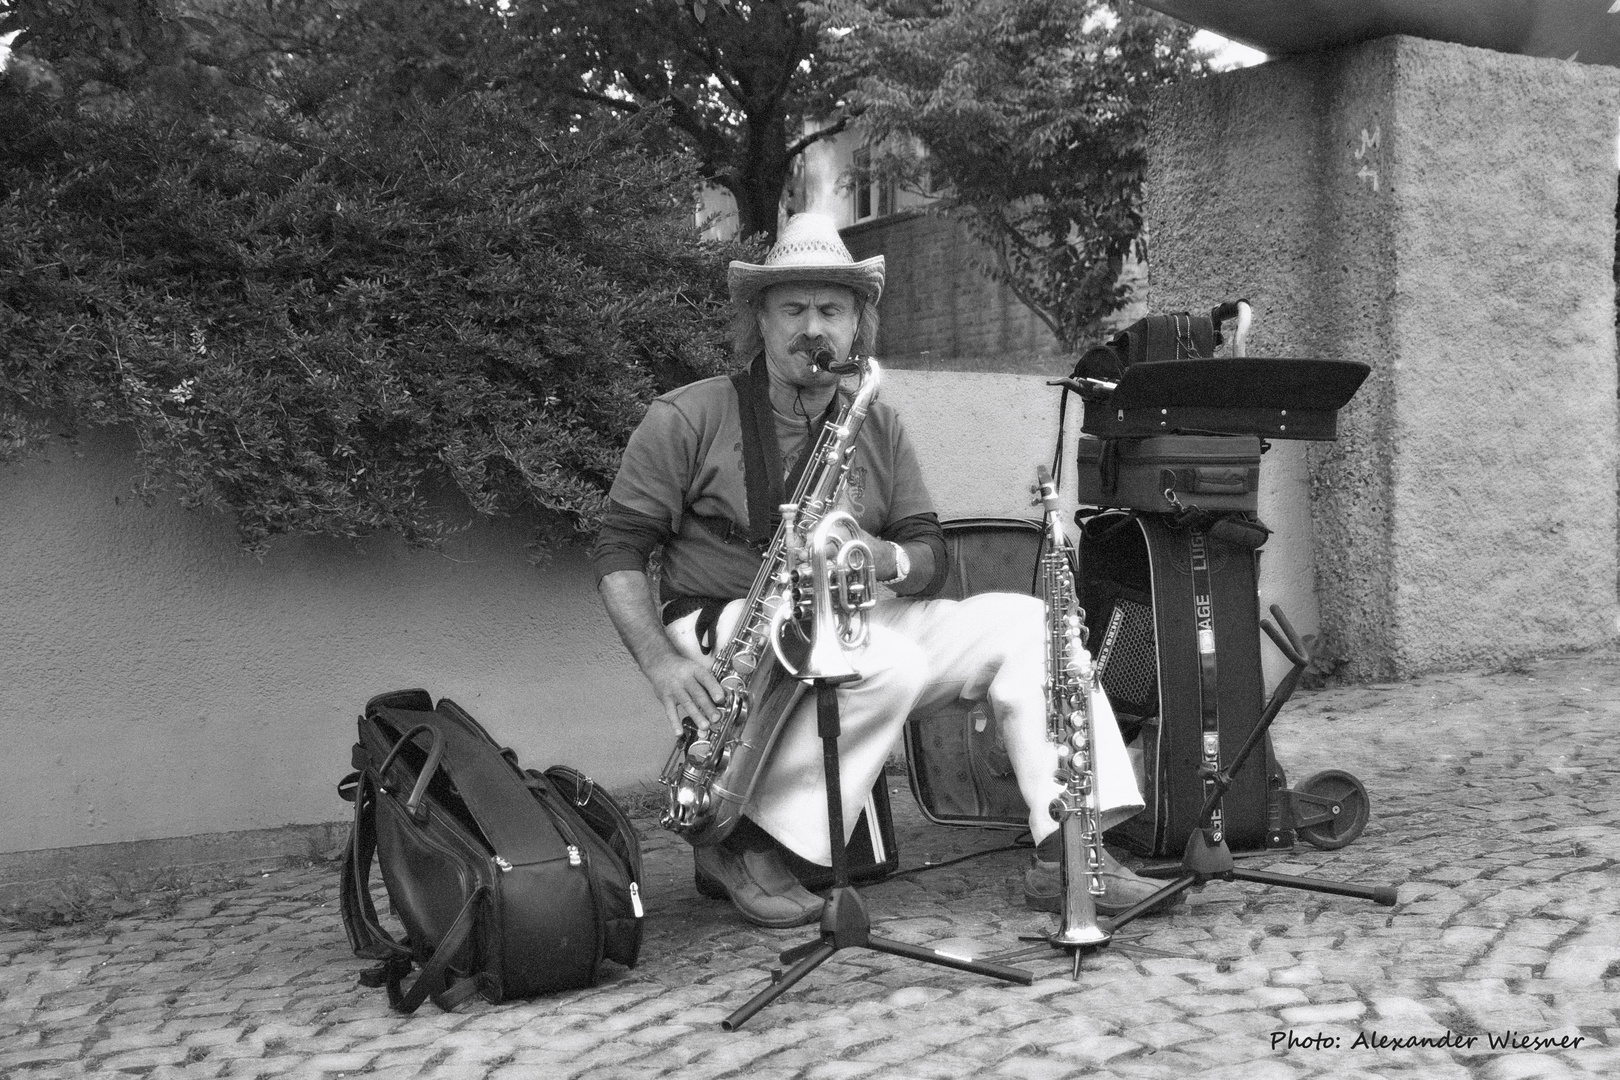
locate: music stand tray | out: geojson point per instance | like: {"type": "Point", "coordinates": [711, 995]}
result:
{"type": "Point", "coordinates": [1274, 398]}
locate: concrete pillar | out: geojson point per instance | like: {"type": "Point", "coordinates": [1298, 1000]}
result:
{"type": "Point", "coordinates": [1446, 215]}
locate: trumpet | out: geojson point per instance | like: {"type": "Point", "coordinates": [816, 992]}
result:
{"type": "Point", "coordinates": [832, 586]}
{"type": "Point", "coordinates": [1070, 685]}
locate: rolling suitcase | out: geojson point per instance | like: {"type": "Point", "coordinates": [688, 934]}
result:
{"type": "Point", "coordinates": [1172, 616]}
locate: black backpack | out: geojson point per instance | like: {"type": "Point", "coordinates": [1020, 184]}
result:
{"type": "Point", "coordinates": [1180, 335]}
{"type": "Point", "coordinates": [509, 882]}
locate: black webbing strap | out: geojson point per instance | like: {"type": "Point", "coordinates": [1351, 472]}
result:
{"type": "Point", "coordinates": [762, 455]}
{"type": "Point", "coordinates": [1208, 695]}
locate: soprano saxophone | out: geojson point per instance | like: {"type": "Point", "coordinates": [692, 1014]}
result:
{"type": "Point", "coordinates": [781, 635]}
{"type": "Point", "coordinates": [1070, 684]}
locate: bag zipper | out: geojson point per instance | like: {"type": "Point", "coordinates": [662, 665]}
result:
{"type": "Point", "coordinates": [635, 899]}
{"type": "Point", "coordinates": [607, 807]}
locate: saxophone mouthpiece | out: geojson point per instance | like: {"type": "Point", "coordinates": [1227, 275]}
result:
{"type": "Point", "coordinates": [824, 358]}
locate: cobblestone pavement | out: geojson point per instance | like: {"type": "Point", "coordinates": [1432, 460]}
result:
{"type": "Point", "coordinates": [1496, 806]}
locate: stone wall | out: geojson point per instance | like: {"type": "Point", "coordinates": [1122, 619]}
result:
{"type": "Point", "coordinates": [1446, 215]}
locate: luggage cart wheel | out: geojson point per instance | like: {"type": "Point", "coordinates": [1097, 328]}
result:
{"type": "Point", "coordinates": [1330, 809]}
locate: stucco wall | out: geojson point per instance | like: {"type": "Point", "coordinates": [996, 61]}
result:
{"type": "Point", "coordinates": [159, 683]}
{"type": "Point", "coordinates": [1444, 214]}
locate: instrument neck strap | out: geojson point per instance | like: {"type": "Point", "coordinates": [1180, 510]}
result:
{"type": "Point", "coordinates": [762, 454]}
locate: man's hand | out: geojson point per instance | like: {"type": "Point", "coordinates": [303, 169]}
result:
{"type": "Point", "coordinates": [883, 564]}
{"type": "Point", "coordinates": [685, 688]}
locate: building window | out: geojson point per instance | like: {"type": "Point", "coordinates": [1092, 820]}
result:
{"type": "Point", "coordinates": [872, 197]}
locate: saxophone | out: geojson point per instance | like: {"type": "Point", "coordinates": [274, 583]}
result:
{"type": "Point", "coordinates": [782, 634]}
{"type": "Point", "coordinates": [1070, 684]}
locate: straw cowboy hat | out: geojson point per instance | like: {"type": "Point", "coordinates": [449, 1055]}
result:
{"type": "Point", "coordinates": [807, 249]}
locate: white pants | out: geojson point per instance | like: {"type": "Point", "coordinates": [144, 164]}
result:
{"type": "Point", "coordinates": [920, 654]}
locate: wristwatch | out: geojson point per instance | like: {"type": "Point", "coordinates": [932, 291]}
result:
{"type": "Point", "coordinates": [902, 565]}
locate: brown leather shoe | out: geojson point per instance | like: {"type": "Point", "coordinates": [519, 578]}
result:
{"type": "Point", "coordinates": [1122, 889]}
{"type": "Point", "coordinates": [758, 884]}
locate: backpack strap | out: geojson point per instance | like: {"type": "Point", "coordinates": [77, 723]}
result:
{"type": "Point", "coordinates": [435, 977]}
{"type": "Point", "coordinates": [366, 934]}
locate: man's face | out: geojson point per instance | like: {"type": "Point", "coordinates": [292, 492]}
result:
{"type": "Point", "coordinates": [794, 318]}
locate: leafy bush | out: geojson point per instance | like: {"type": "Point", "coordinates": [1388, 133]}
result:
{"type": "Point", "coordinates": [306, 325]}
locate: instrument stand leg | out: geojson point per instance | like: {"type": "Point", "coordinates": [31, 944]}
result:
{"type": "Point", "coordinates": [844, 922]}
{"type": "Point", "coordinates": [1206, 856]}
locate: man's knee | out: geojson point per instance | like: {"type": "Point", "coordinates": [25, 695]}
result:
{"type": "Point", "coordinates": [890, 666]}
{"type": "Point", "coordinates": [1009, 623]}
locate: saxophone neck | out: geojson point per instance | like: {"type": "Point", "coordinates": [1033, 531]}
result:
{"type": "Point", "coordinates": [871, 373]}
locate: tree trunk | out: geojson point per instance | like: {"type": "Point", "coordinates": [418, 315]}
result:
{"type": "Point", "coordinates": [760, 176]}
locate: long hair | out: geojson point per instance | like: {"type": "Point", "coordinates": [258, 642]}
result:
{"type": "Point", "coordinates": [747, 343]}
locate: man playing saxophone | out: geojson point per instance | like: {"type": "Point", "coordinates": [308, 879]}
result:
{"type": "Point", "coordinates": [681, 489]}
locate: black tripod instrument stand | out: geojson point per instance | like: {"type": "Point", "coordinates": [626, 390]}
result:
{"type": "Point", "coordinates": [844, 922]}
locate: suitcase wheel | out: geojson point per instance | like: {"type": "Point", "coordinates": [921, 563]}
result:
{"type": "Point", "coordinates": [1330, 809]}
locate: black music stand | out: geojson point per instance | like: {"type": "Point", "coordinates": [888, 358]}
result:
{"type": "Point", "coordinates": [844, 922]}
{"type": "Point", "coordinates": [1206, 856]}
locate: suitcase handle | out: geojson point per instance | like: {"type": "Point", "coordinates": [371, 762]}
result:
{"type": "Point", "coordinates": [1211, 479]}
{"type": "Point", "coordinates": [413, 805]}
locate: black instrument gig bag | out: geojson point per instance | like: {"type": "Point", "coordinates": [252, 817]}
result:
{"type": "Point", "coordinates": [509, 882]}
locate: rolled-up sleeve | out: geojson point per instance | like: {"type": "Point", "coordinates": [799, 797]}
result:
{"type": "Point", "coordinates": [922, 528]}
{"type": "Point", "coordinates": [627, 541]}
